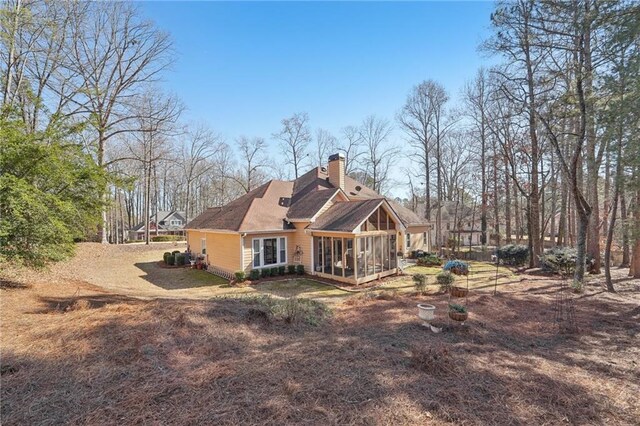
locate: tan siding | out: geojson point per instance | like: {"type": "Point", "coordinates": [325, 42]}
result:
{"type": "Point", "coordinates": [223, 250]}
{"type": "Point", "coordinates": [417, 242]}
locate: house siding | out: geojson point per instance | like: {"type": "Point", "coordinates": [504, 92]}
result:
{"type": "Point", "coordinates": [417, 241]}
{"type": "Point", "coordinates": [223, 250]}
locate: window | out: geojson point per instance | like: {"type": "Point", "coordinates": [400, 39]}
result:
{"type": "Point", "coordinates": [256, 253]}
{"type": "Point", "coordinates": [203, 245]}
{"type": "Point", "coordinates": [270, 247]}
{"type": "Point", "coordinates": [175, 222]}
{"type": "Point", "coordinates": [269, 251]}
{"type": "Point", "coordinates": [424, 238]}
{"type": "Point", "coordinates": [283, 250]}
{"type": "Point", "coordinates": [408, 240]}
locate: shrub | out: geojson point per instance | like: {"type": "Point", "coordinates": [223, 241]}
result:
{"type": "Point", "coordinates": [457, 308]}
{"type": "Point", "coordinates": [180, 259]}
{"type": "Point", "coordinates": [292, 269]}
{"type": "Point", "coordinates": [165, 238]}
{"type": "Point", "coordinates": [420, 282]}
{"type": "Point", "coordinates": [445, 279]}
{"type": "Point", "coordinates": [300, 269]}
{"type": "Point", "coordinates": [171, 260]}
{"type": "Point", "coordinates": [264, 272]}
{"type": "Point", "coordinates": [281, 270]}
{"type": "Point", "coordinates": [429, 260]}
{"type": "Point", "coordinates": [166, 255]}
{"type": "Point", "coordinates": [254, 274]}
{"type": "Point", "coordinates": [240, 276]}
{"type": "Point", "coordinates": [274, 271]}
{"type": "Point", "coordinates": [175, 252]}
{"type": "Point", "coordinates": [452, 242]}
{"type": "Point", "coordinates": [457, 267]}
{"type": "Point", "coordinates": [294, 310]}
{"type": "Point", "coordinates": [514, 255]}
{"type": "Point", "coordinates": [559, 260]}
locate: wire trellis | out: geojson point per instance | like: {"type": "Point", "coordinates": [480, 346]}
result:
{"type": "Point", "coordinates": [565, 312]}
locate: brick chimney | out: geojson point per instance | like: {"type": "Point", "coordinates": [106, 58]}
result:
{"type": "Point", "coordinates": [336, 170]}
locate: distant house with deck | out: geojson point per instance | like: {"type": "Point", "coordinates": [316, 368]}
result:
{"type": "Point", "coordinates": [325, 220]}
{"type": "Point", "coordinates": [161, 223]}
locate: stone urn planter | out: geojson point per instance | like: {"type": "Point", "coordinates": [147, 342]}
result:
{"type": "Point", "coordinates": [426, 312]}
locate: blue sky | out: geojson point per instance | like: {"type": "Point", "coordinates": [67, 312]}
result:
{"type": "Point", "coordinates": [243, 66]}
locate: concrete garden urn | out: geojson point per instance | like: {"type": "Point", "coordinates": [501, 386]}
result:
{"type": "Point", "coordinates": [426, 312]}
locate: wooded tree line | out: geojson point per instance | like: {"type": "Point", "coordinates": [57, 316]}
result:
{"type": "Point", "coordinates": [545, 143]}
{"type": "Point", "coordinates": [549, 136]}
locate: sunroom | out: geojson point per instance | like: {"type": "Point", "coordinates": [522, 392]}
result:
{"type": "Point", "coordinates": [356, 241]}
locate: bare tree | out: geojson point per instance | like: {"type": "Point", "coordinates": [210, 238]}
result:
{"type": "Point", "coordinates": [416, 120]}
{"type": "Point", "coordinates": [379, 154]}
{"type": "Point", "coordinates": [253, 160]}
{"type": "Point", "coordinates": [157, 116]}
{"type": "Point", "coordinates": [351, 146]}
{"type": "Point", "coordinates": [294, 138]}
{"type": "Point", "coordinates": [115, 55]}
{"type": "Point", "coordinates": [200, 147]}
{"type": "Point", "coordinates": [325, 143]}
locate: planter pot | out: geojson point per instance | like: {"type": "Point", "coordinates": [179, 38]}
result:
{"type": "Point", "coordinates": [458, 316]}
{"type": "Point", "coordinates": [426, 312]}
{"type": "Point", "coordinates": [458, 291]}
{"type": "Point", "coordinates": [458, 271]}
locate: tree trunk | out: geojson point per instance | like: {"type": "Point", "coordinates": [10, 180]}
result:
{"type": "Point", "coordinates": [593, 164]}
{"type": "Point", "coordinates": [625, 230]}
{"type": "Point", "coordinates": [507, 201]}
{"type": "Point", "coordinates": [518, 215]}
{"type": "Point", "coordinates": [554, 201]}
{"type": "Point", "coordinates": [634, 270]}
{"type": "Point", "coordinates": [562, 222]}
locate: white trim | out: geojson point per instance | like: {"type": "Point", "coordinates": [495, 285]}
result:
{"type": "Point", "coordinates": [311, 269]}
{"type": "Point", "coordinates": [389, 210]}
{"type": "Point", "coordinates": [278, 250]}
{"type": "Point", "coordinates": [270, 231]}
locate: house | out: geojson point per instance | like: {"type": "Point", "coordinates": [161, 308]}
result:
{"type": "Point", "coordinates": [458, 221]}
{"type": "Point", "coordinates": [160, 223]}
{"type": "Point", "coordinates": [325, 220]}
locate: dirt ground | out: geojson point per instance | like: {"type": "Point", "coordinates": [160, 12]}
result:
{"type": "Point", "coordinates": [75, 352]}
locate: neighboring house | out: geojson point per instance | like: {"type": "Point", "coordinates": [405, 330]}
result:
{"type": "Point", "coordinates": [458, 221]}
{"type": "Point", "coordinates": [324, 220]}
{"type": "Point", "coordinates": [160, 223]}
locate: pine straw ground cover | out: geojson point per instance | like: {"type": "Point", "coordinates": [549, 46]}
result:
{"type": "Point", "coordinates": [104, 359]}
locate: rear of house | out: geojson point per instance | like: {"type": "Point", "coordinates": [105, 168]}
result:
{"type": "Point", "coordinates": [326, 221]}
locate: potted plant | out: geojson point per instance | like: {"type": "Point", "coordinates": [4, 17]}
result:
{"type": "Point", "coordinates": [456, 291]}
{"type": "Point", "coordinates": [458, 312]}
{"type": "Point", "coordinates": [457, 267]}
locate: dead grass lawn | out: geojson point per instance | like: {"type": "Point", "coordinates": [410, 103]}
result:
{"type": "Point", "coordinates": [90, 357]}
